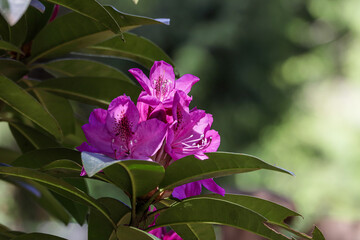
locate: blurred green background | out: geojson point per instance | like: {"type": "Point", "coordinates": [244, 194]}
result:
{"type": "Point", "coordinates": [282, 81]}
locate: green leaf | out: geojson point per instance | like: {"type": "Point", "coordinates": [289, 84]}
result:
{"type": "Point", "coordinates": [82, 68]}
{"type": "Point", "coordinates": [128, 21]}
{"type": "Point", "coordinates": [77, 210]}
{"type": "Point", "coordinates": [42, 157]}
{"type": "Point", "coordinates": [25, 104]}
{"type": "Point", "coordinates": [142, 176]}
{"type": "Point", "coordinates": [37, 236]}
{"type": "Point", "coordinates": [216, 211]}
{"type": "Point", "coordinates": [92, 90]}
{"type": "Point", "coordinates": [18, 32]}
{"type": "Point", "coordinates": [60, 108]}
{"type": "Point", "coordinates": [317, 235]}
{"type": "Point", "coordinates": [13, 10]}
{"type": "Point", "coordinates": [36, 20]}
{"type": "Point", "coordinates": [57, 185]}
{"type": "Point", "coordinates": [190, 169]}
{"type": "Point", "coordinates": [131, 233]}
{"type": "Point", "coordinates": [195, 231]}
{"type": "Point", "coordinates": [101, 189]}
{"type": "Point", "coordinates": [7, 156]}
{"type": "Point", "coordinates": [274, 213]}
{"type": "Point", "coordinates": [4, 29]}
{"type": "Point", "coordinates": [62, 168]}
{"type": "Point", "coordinates": [12, 69]}
{"type": "Point", "coordinates": [91, 9]}
{"type": "Point", "coordinates": [43, 197]}
{"type": "Point", "coordinates": [98, 228]}
{"type": "Point", "coordinates": [135, 48]}
{"type": "Point", "coordinates": [9, 47]}
{"type": "Point", "coordinates": [62, 36]}
{"type": "Point", "coordinates": [23, 143]}
{"type": "Point", "coordinates": [29, 138]}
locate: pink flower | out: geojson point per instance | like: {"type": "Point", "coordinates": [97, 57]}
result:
{"type": "Point", "coordinates": [117, 132]}
{"type": "Point", "coordinates": [161, 85]}
{"type": "Point", "coordinates": [190, 132]}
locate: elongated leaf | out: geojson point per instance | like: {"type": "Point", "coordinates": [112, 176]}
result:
{"type": "Point", "coordinates": [4, 29]}
{"type": "Point", "coordinates": [7, 156]}
{"type": "Point", "coordinates": [82, 68]}
{"type": "Point", "coordinates": [317, 235]}
{"type": "Point", "coordinates": [91, 9]}
{"type": "Point", "coordinates": [275, 213]}
{"type": "Point", "coordinates": [25, 104]}
{"type": "Point", "coordinates": [36, 20]}
{"type": "Point", "coordinates": [37, 236]}
{"type": "Point", "coordinates": [219, 212]}
{"type": "Point", "coordinates": [13, 10]}
{"type": "Point", "coordinates": [99, 229]}
{"type": "Point", "coordinates": [12, 69]}
{"type": "Point", "coordinates": [101, 189]}
{"type": "Point", "coordinates": [131, 233]}
{"type": "Point", "coordinates": [42, 157]}
{"type": "Point", "coordinates": [9, 47]}
{"type": "Point", "coordinates": [143, 176]}
{"type": "Point", "coordinates": [77, 210]}
{"type": "Point", "coordinates": [60, 109]}
{"type": "Point", "coordinates": [135, 48]}
{"type": "Point", "coordinates": [62, 36]}
{"type": "Point", "coordinates": [190, 169]}
{"type": "Point", "coordinates": [43, 197]}
{"type": "Point", "coordinates": [128, 21]}
{"type": "Point", "coordinates": [23, 143]}
{"type": "Point", "coordinates": [62, 168]}
{"type": "Point", "coordinates": [33, 137]}
{"type": "Point", "coordinates": [57, 185]}
{"type": "Point", "coordinates": [17, 33]}
{"type": "Point", "coordinates": [195, 231]}
{"type": "Point", "coordinates": [96, 91]}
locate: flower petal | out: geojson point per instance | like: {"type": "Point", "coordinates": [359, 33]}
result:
{"type": "Point", "coordinates": [163, 70]}
{"type": "Point", "coordinates": [171, 235]}
{"type": "Point", "coordinates": [187, 190]}
{"type": "Point", "coordinates": [142, 79]}
{"type": "Point", "coordinates": [186, 82]}
{"type": "Point", "coordinates": [210, 185]}
{"type": "Point", "coordinates": [96, 133]}
{"type": "Point", "coordinates": [85, 147]}
{"type": "Point", "coordinates": [148, 99]}
{"type": "Point", "coordinates": [148, 138]}
{"type": "Point", "coordinates": [214, 137]}
{"type": "Point", "coordinates": [123, 116]}
{"type": "Point", "coordinates": [162, 79]}
{"type": "Point", "coordinates": [157, 232]}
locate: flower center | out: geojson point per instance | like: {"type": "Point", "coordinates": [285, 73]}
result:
{"type": "Point", "coordinates": [162, 87]}
{"type": "Point", "coordinates": [191, 144]}
{"type": "Point", "coordinates": [122, 129]}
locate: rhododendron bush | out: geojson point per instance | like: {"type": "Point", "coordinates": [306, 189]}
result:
{"type": "Point", "coordinates": [143, 135]}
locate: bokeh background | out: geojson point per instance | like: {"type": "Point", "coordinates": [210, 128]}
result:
{"type": "Point", "coordinates": [281, 79]}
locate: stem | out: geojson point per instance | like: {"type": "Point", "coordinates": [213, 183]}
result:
{"type": "Point", "coordinates": [149, 202]}
{"type": "Point", "coordinates": [133, 211]}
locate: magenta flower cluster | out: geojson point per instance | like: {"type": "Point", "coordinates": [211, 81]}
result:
{"type": "Point", "coordinates": [160, 128]}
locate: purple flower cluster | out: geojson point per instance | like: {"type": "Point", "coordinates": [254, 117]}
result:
{"type": "Point", "coordinates": [160, 128]}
